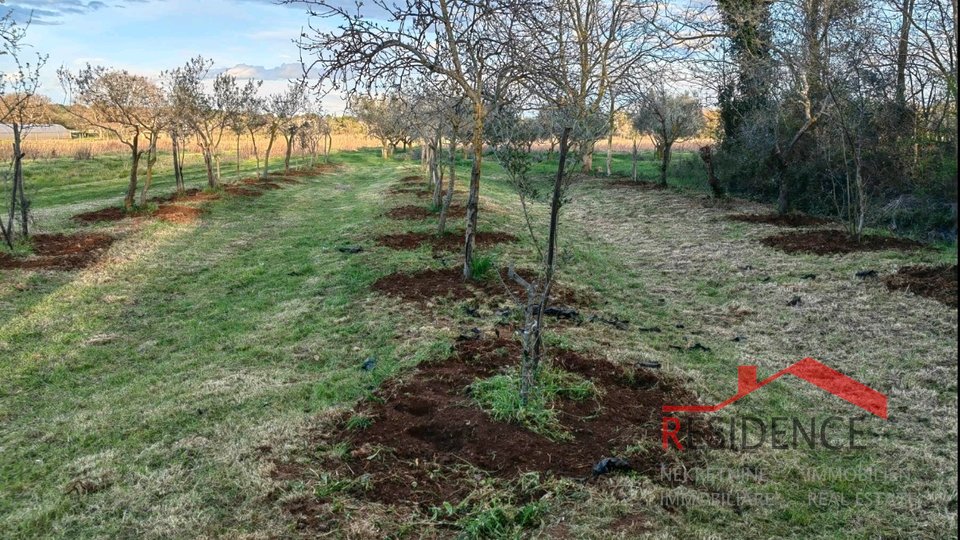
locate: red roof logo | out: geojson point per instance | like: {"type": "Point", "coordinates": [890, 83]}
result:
{"type": "Point", "coordinates": [810, 370]}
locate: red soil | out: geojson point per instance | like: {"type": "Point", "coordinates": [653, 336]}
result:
{"type": "Point", "coordinates": [190, 195]}
{"type": "Point", "coordinates": [415, 212]}
{"type": "Point", "coordinates": [427, 432]}
{"type": "Point", "coordinates": [831, 242]}
{"type": "Point", "coordinates": [937, 282]}
{"type": "Point", "coordinates": [451, 241]}
{"type": "Point", "coordinates": [60, 252]}
{"type": "Point", "coordinates": [427, 285]}
{"type": "Point", "coordinates": [243, 191]}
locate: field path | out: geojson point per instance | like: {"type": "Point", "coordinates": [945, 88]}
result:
{"type": "Point", "coordinates": [731, 294]}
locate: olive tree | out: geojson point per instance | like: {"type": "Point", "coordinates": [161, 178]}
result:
{"type": "Point", "coordinates": [121, 103]}
{"type": "Point", "coordinates": [668, 118]}
{"type": "Point", "coordinates": [384, 117]}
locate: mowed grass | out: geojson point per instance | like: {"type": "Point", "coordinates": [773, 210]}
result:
{"type": "Point", "coordinates": [135, 393]}
{"type": "Point", "coordinates": [140, 397]}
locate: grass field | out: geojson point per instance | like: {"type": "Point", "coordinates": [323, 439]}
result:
{"type": "Point", "coordinates": [138, 395]}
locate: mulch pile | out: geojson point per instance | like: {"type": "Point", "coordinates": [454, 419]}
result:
{"type": "Point", "coordinates": [262, 184]}
{"type": "Point", "coordinates": [784, 220]}
{"type": "Point", "coordinates": [937, 282]}
{"type": "Point", "coordinates": [60, 252]}
{"type": "Point", "coordinates": [172, 213]}
{"type": "Point", "coordinates": [650, 186]}
{"type": "Point", "coordinates": [448, 242]}
{"type": "Point", "coordinates": [241, 191]}
{"type": "Point", "coordinates": [428, 285]}
{"type": "Point", "coordinates": [190, 195]}
{"type": "Point", "coordinates": [415, 212]}
{"type": "Point", "coordinates": [832, 242]}
{"type": "Point", "coordinates": [426, 429]}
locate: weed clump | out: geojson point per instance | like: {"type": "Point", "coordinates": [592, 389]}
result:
{"type": "Point", "coordinates": [499, 396]}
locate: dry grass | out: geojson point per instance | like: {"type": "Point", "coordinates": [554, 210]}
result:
{"type": "Point", "coordinates": [59, 148]}
{"type": "Point", "coordinates": [720, 283]}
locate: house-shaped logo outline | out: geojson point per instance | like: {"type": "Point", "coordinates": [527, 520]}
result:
{"type": "Point", "coordinates": [810, 370]}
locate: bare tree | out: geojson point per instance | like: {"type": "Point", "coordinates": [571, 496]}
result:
{"type": "Point", "coordinates": [463, 42]}
{"type": "Point", "coordinates": [121, 103]}
{"type": "Point", "coordinates": [20, 107]}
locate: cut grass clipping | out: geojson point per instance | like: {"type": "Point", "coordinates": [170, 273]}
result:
{"type": "Point", "coordinates": [499, 396]}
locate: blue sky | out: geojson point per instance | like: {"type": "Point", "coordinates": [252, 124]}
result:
{"type": "Point", "coordinates": [254, 37]}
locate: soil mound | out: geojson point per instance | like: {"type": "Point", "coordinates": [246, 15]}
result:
{"type": "Point", "coordinates": [427, 432]}
{"type": "Point", "coordinates": [937, 282]}
{"type": "Point", "coordinates": [831, 242]}
{"type": "Point", "coordinates": [60, 252]}
{"type": "Point", "coordinates": [451, 241]}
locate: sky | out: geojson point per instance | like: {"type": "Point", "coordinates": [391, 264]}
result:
{"type": "Point", "coordinates": [250, 38]}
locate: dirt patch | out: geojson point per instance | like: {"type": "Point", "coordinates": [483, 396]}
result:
{"type": "Point", "coordinates": [832, 242]}
{"type": "Point", "coordinates": [304, 172]}
{"type": "Point", "coordinates": [190, 195]}
{"type": "Point", "coordinates": [241, 191]}
{"type": "Point", "coordinates": [451, 241]}
{"type": "Point", "coordinates": [264, 184]}
{"type": "Point", "coordinates": [785, 220]}
{"type": "Point", "coordinates": [427, 285]}
{"type": "Point", "coordinates": [60, 252]}
{"type": "Point", "coordinates": [404, 190]}
{"type": "Point", "coordinates": [414, 212]}
{"type": "Point", "coordinates": [645, 186]}
{"type": "Point", "coordinates": [426, 428]}
{"type": "Point", "coordinates": [937, 282]}
{"type": "Point", "coordinates": [112, 213]}
{"type": "Point", "coordinates": [174, 213]}
{"type": "Point", "coordinates": [412, 179]}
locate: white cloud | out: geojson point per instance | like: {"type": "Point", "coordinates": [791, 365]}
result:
{"type": "Point", "coordinates": [283, 72]}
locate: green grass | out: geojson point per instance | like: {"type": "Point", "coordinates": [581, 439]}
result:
{"type": "Point", "coordinates": [135, 395]}
{"type": "Point", "coordinates": [500, 397]}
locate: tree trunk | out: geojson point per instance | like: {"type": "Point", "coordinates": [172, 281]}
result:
{"type": "Point", "coordinates": [706, 154]}
{"type": "Point", "coordinates": [442, 226]}
{"type": "Point", "coordinates": [266, 155]}
{"type": "Point", "coordinates": [328, 144]}
{"type": "Point", "coordinates": [256, 153]}
{"type": "Point", "coordinates": [783, 196]}
{"type": "Point", "coordinates": [533, 331]}
{"type": "Point", "coordinates": [134, 164]}
{"type": "Point", "coordinates": [633, 162]}
{"type": "Point", "coordinates": [588, 148]}
{"type": "Point", "coordinates": [286, 159]}
{"type": "Point", "coordinates": [238, 156]}
{"type": "Point", "coordinates": [903, 45]}
{"type": "Point", "coordinates": [610, 137]}
{"type": "Point", "coordinates": [151, 160]}
{"type": "Point", "coordinates": [665, 163]}
{"type": "Point", "coordinates": [177, 167]}
{"type": "Point", "coordinates": [474, 192]}
{"type": "Point", "coordinates": [208, 163]}
{"type": "Point", "coordinates": [436, 173]}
